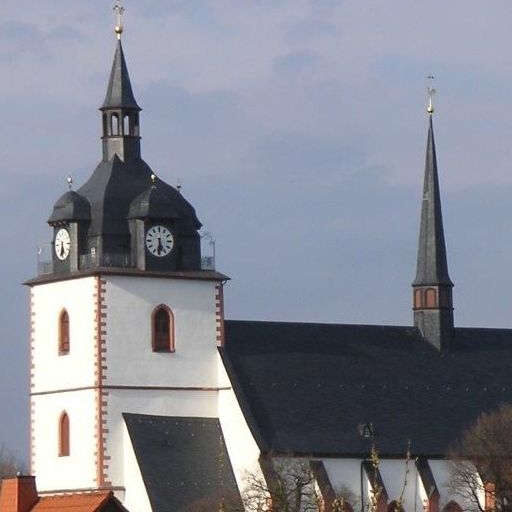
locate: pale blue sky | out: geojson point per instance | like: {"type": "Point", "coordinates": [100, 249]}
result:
{"type": "Point", "coordinates": [298, 130]}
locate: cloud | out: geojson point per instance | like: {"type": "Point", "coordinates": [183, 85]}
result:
{"type": "Point", "coordinates": [298, 129]}
{"type": "Point", "coordinates": [310, 29]}
{"type": "Point", "coordinates": [297, 62]}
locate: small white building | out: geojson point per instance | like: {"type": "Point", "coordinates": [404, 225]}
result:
{"type": "Point", "coordinates": [140, 386]}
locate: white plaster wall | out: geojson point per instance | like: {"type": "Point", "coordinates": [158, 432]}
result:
{"type": "Point", "coordinates": [422, 496]}
{"type": "Point", "coordinates": [79, 469]}
{"type": "Point", "coordinates": [393, 475]}
{"type": "Point", "coordinates": [135, 496]}
{"type": "Point", "coordinates": [441, 472]}
{"type": "Point", "coordinates": [130, 359]}
{"type": "Point", "coordinates": [76, 369]}
{"type": "Point", "coordinates": [155, 402]}
{"type": "Point", "coordinates": [242, 448]}
{"type": "Point", "coordinates": [345, 473]}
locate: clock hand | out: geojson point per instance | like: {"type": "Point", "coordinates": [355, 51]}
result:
{"type": "Point", "coordinates": [160, 246]}
{"type": "Point", "coordinates": [62, 249]}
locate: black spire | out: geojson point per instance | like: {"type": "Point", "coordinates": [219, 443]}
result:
{"type": "Point", "coordinates": [121, 134]}
{"type": "Point", "coordinates": [433, 305]}
{"type": "Point", "coordinates": [432, 266]}
{"type": "Point", "coordinates": [120, 93]}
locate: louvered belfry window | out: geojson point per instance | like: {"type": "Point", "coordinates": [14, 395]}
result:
{"type": "Point", "coordinates": [163, 329]}
{"type": "Point", "coordinates": [64, 333]}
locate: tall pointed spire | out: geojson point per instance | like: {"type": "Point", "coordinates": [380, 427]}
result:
{"type": "Point", "coordinates": [432, 265]}
{"type": "Point", "coordinates": [433, 303]}
{"type": "Point", "coordinates": [119, 92]}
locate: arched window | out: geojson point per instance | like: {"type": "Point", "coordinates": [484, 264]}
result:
{"type": "Point", "coordinates": [64, 435]}
{"type": "Point", "coordinates": [135, 125]}
{"type": "Point", "coordinates": [163, 329]}
{"type": "Point", "coordinates": [63, 333]}
{"type": "Point", "coordinates": [105, 125]}
{"type": "Point", "coordinates": [431, 297]}
{"type": "Point", "coordinates": [126, 125]}
{"type": "Point", "coordinates": [114, 124]}
{"type": "Point", "coordinates": [418, 298]}
{"type": "Point", "coordinates": [452, 506]}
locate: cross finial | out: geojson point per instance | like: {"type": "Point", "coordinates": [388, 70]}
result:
{"type": "Point", "coordinates": [119, 11]}
{"type": "Point", "coordinates": [430, 94]}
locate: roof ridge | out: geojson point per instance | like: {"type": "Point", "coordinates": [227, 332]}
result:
{"type": "Point", "coordinates": [291, 322]}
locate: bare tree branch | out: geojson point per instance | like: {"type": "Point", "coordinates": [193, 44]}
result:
{"type": "Point", "coordinates": [481, 463]}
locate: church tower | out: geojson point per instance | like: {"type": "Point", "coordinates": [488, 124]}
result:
{"type": "Point", "coordinates": [125, 320]}
{"type": "Point", "coordinates": [432, 287]}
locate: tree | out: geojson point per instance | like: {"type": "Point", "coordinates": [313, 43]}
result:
{"type": "Point", "coordinates": [288, 485]}
{"type": "Point", "coordinates": [481, 463]}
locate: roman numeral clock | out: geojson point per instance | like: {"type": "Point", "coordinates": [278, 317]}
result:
{"type": "Point", "coordinates": [159, 241]}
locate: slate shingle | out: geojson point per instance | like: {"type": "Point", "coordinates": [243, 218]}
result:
{"type": "Point", "coordinates": [306, 388]}
{"type": "Point", "coordinates": [182, 460]}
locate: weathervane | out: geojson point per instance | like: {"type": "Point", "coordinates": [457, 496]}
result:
{"type": "Point", "coordinates": [119, 11]}
{"type": "Point", "coordinates": [430, 94]}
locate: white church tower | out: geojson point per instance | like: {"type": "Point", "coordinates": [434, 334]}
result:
{"type": "Point", "coordinates": [125, 319]}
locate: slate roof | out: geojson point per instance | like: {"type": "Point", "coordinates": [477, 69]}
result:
{"type": "Point", "coordinates": [305, 388]}
{"type": "Point", "coordinates": [112, 188]}
{"type": "Point", "coordinates": [70, 206]}
{"type": "Point", "coordinates": [157, 202]}
{"type": "Point", "coordinates": [182, 460]}
{"type": "Point", "coordinates": [432, 265]}
{"type": "Point", "coordinates": [119, 91]}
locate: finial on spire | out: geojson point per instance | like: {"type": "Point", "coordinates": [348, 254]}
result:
{"type": "Point", "coordinates": [119, 11]}
{"type": "Point", "coordinates": [430, 94]}
{"type": "Point", "coordinates": [69, 179]}
{"type": "Point", "coordinates": [179, 185]}
{"type": "Point", "coordinates": [153, 179]}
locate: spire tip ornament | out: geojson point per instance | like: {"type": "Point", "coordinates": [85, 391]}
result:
{"type": "Point", "coordinates": [119, 11]}
{"type": "Point", "coordinates": [69, 180]}
{"type": "Point", "coordinates": [430, 95]}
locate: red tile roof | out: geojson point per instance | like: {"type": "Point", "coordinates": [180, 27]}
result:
{"type": "Point", "coordinates": [91, 502]}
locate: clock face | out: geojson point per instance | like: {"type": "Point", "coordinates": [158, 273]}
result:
{"type": "Point", "coordinates": [159, 241]}
{"type": "Point", "coordinates": [62, 244]}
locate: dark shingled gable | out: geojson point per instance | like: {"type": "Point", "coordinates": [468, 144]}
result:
{"type": "Point", "coordinates": [182, 460]}
{"type": "Point", "coordinates": [305, 388]}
